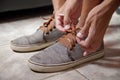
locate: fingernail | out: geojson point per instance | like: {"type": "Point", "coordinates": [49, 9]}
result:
{"type": "Point", "coordinates": [78, 40]}
{"type": "Point", "coordinates": [61, 14]}
{"type": "Point", "coordinates": [85, 53]}
{"type": "Point", "coordinates": [79, 34]}
{"type": "Point", "coordinates": [67, 27]}
{"type": "Point", "coordinates": [58, 17]}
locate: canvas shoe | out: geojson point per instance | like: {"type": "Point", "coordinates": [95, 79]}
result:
{"type": "Point", "coordinates": [43, 37]}
{"type": "Point", "coordinates": [64, 54]}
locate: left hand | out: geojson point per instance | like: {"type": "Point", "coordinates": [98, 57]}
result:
{"type": "Point", "coordinates": [96, 25]}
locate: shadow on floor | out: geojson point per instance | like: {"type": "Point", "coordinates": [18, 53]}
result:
{"type": "Point", "coordinates": [111, 59]}
{"type": "Point", "coordinates": [112, 55]}
{"type": "Point", "coordinates": [111, 29]}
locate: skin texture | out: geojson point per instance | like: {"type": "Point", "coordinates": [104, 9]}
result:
{"type": "Point", "coordinates": [95, 25]}
{"type": "Point", "coordinates": [68, 13]}
{"type": "Point", "coordinates": [86, 7]}
{"type": "Point", "coordinates": [57, 4]}
{"type": "Point", "coordinates": [94, 19]}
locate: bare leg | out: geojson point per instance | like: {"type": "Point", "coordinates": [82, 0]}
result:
{"type": "Point", "coordinates": [86, 7]}
{"type": "Point", "coordinates": [57, 4]}
{"type": "Point", "coordinates": [67, 14]}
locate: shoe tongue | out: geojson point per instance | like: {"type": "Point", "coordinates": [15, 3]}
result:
{"type": "Point", "coordinates": [68, 40]}
{"type": "Point", "coordinates": [49, 25]}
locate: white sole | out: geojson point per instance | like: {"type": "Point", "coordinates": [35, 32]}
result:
{"type": "Point", "coordinates": [31, 47]}
{"type": "Point", "coordinates": [60, 67]}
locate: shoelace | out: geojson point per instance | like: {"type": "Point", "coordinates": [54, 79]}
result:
{"type": "Point", "coordinates": [69, 39]}
{"type": "Point", "coordinates": [49, 25]}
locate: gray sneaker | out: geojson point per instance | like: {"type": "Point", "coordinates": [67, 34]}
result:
{"type": "Point", "coordinates": [43, 37]}
{"type": "Point", "coordinates": [64, 54]}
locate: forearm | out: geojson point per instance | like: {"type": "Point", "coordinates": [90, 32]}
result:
{"type": "Point", "coordinates": [87, 6]}
{"type": "Point", "coordinates": [57, 4]}
{"type": "Point", "coordinates": [111, 4]}
{"type": "Point", "coordinates": [106, 10]}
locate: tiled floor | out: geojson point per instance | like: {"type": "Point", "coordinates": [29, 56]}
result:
{"type": "Point", "coordinates": [13, 66]}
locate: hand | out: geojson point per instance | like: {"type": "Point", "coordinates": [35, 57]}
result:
{"type": "Point", "coordinates": [67, 14]}
{"type": "Point", "coordinates": [95, 26]}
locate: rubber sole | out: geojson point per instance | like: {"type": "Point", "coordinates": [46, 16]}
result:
{"type": "Point", "coordinates": [60, 67]}
{"type": "Point", "coordinates": [30, 47]}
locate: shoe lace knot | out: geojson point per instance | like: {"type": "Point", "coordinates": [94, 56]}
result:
{"type": "Point", "coordinates": [69, 40]}
{"type": "Point", "coordinates": [49, 25]}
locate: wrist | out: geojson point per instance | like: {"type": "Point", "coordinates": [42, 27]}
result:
{"type": "Point", "coordinates": [110, 5]}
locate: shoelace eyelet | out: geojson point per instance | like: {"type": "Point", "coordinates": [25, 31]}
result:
{"type": "Point", "coordinates": [54, 27]}
{"type": "Point", "coordinates": [51, 30]}
{"type": "Point", "coordinates": [47, 33]}
{"type": "Point", "coordinates": [72, 48]}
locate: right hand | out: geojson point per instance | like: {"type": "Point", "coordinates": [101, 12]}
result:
{"type": "Point", "coordinates": [67, 14]}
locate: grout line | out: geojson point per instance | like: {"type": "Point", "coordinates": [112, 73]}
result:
{"type": "Point", "coordinates": [52, 76]}
{"type": "Point", "coordinates": [62, 72]}
{"type": "Point", "coordinates": [82, 74]}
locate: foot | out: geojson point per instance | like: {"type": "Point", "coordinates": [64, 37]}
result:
{"type": "Point", "coordinates": [64, 54]}
{"type": "Point", "coordinates": [45, 36]}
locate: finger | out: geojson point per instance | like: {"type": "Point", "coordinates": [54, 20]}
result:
{"type": "Point", "coordinates": [80, 24]}
{"type": "Point", "coordinates": [80, 35]}
{"type": "Point", "coordinates": [85, 30]}
{"type": "Point", "coordinates": [67, 20]}
{"type": "Point", "coordinates": [85, 53]}
{"type": "Point", "coordinates": [84, 45]}
{"type": "Point", "coordinates": [91, 37]}
{"type": "Point", "coordinates": [78, 40]}
{"type": "Point", "coordinates": [59, 22]}
{"type": "Point", "coordinates": [87, 50]}
{"type": "Point", "coordinates": [67, 27]}
{"type": "Point", "coordinates": [89, 44]}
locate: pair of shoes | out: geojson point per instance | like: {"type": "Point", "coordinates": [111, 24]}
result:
{"type": "Point", "coordinates": [63, 54]}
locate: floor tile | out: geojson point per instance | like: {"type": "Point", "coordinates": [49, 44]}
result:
{"type": "Point", "coordinates": [98, 72]}
{"type": "Point", "coordinates": [70, 75]}
{"type": "Point", "coordinates": [7, 33]}
{"type": "Point", "coordinates": [13, 66]}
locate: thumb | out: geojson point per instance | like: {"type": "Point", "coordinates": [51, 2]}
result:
{"type": "Point", "coordinates": [84, 31]}
{"type": "Point", "coordinates": [67, 20]}
{"type": "Point", "coordinates": [59, 21]}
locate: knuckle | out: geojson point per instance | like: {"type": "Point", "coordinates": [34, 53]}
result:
{"type": "Point", "coordinates": [85, 45]}
{"type": "Point", "coordinates": [87, 22]}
